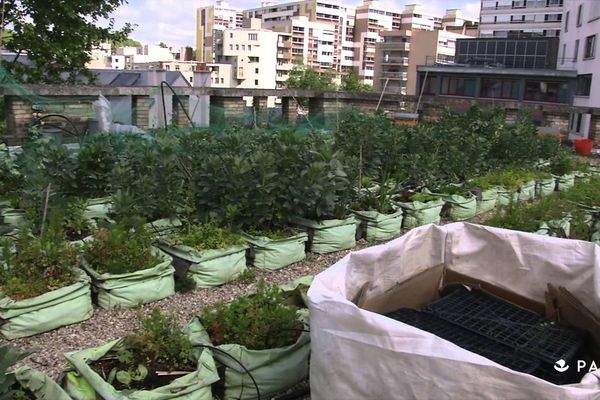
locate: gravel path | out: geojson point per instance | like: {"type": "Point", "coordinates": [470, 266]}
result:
{"type": "Point", "coordinates": [106, 325]}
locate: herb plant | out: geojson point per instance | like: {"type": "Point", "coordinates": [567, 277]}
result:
{"type": "Point", "coordinates": [258, 321]}
{"type": "Point", "coordinates": [205, 237]}
{"type": "Point", "coordinates": [118, 250]}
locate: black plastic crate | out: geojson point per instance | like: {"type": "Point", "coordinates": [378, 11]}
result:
{"type": "Point", "coordinates": [503, 355]}
{"type": "Point", "coordinates": [509, 324]}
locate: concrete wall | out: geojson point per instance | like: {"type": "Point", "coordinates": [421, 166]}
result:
{"type": "Point", "coordinates": [222, 107]}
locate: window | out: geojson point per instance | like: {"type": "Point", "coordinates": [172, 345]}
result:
{"type": "Point", "coordinates": [256, 82]}
{"type": "Point", "coordinates": [590, 47]}
{"type": "Point", "coordinates": [249, 47]}
{"type": "Point", "coordinates": [459, 86]}
{"type": "Point", "coordinates": [237, 46]}
{"type": "Point", "coordinates": [564, 53]}
{"type": "Point", "coordinates": [177, 68]}
{"type": "Point", "coordinates": [567, 21]}
{"type": "Point", "coordinates": [547, 91]}
{"type": "Point", "coordinates": [230, 47]}
{"type": "Point", "coordinates": [579, 16]}
{"type": "Point", "coordinates": [576, 50]}
{"type": "Point", "coordinates": [253, 36]}
{"type": "Point", "coordinates": [256, 70]}
{"type": "Point", "coordinates": [231, 35]}
{"type": "Point", "coordinates": [430, 85]}
{"type": "Point", "coordinates": [222, 80]}
{"type": "Point", "coordinates": [584, 84]}
{"type": "Point", "coordinates": [500, 88]}
{"type": "Point", "coordinates": [243, 47]}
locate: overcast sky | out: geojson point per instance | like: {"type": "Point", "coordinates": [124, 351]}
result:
{"type": "Point", "coordinates": [172, 21]}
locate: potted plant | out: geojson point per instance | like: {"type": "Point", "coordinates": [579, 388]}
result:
{"type": "Point", "coordinates": [514, 184]}
{"type": "Point", "coordinates": [210, 255]}
{"type": "Point", "coordinates": [420, 209]}
{"type": "Point", "coordinates": [563, 169]}
{"type": "Point", "coordinates": [125, 268]}
{"type": "Point", "coordinates": [158, 361]}
{"type": "Point", "coordinates": [273, 249]}
{"type": "Point", "coordinates": [41, 286]}
{"type": "Point", "coordinates": [486, 193]}
{"type": "Point", "coordinates": [267, 334]}
{"type": "Point", "coordinates": [460, 203]}
{"type": "Point", "coordinates": [380, 218]}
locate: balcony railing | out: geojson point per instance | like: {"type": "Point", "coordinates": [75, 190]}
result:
{"type": "Point", "coordinates": [530, 4]}
{"type": "Point", "coordinates": [395, 75]}
{"type": "Point", "coordinates": [394, 60]}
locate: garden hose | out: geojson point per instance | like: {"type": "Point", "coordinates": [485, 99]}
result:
{"type": "Point", "coordinates": [74, 133]}
{"type": "Point", "coordinates": [206, 346]}
{"type": "Point", "coordinates": [162, 95]}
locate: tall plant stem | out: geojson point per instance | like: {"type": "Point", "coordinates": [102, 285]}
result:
{"type": "Point", "coordinates": [45, 213]}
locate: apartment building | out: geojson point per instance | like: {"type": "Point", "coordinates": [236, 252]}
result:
{"type": "Point", "coordinates": [127, 57]}
{"type": "Point", "coordinates": [579, 50]}
{"type": "Point", "coordinates": [499, 18]}
{"type": "Point", "coordinates": [322, 30]}
{"type": "Point", "coordinates": [455, 21]}
{"type": "Point", "coordinates": [211, 19]}
{"type": "Point", "coordinates": [371, 19]}
{"type": "Point", "coordinates": [397, 57]}
{"type": "Point", "coordinates": [256, 57]}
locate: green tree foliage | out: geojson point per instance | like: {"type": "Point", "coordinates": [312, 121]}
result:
{"type": "Point", "coordinates": [57, 36]}
{"type": "Point", "coordinates": [126, 42]}
{"type": "Point", "coordinates": [351, 83]}
{"type": "Point", "coordinates": [304, 77]}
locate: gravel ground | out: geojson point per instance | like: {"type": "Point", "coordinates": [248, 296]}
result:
{"type": "Point", "coordinates": [106, 325]}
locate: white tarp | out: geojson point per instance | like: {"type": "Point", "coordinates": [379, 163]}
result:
{"type": "Point", "coordinates": [357, 354]}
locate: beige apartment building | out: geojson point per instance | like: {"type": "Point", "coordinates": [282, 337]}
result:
{"type": "Point", "coordinates": [251, 57]}
{"type": "Point", "coordinates": [499, 18]}
{"type": "Point", "coordinates": [397, 57]}
{"type": "Point", "coordinates": [211, 19]}
{"type": "Point", "coordinates": [322, 31]}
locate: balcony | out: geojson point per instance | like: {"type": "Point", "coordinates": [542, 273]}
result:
{"type": "Point", "coordinates": [530, 5]}
{"type": "Point", "coordinates": [394, 60]}
{"type": "Point", "coordinates": [403, 76]}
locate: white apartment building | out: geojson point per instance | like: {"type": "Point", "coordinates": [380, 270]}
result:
{"type": "Point", "coordinates": [100, 57]}
{"type": "Point", "coordinates": [323, 31]}
{"type": "Point", "coordinates": [579, 50]}
{"type": "Point", "coordinates": [499, 18]}
{"type": "Point", "coordinates": [127, 57]}
{"type": "Point", "coordinates": [259, 59]}
{"type": "Point", "coordinates": [415, 16]}
{"type": "Point", "coordinates": [211, 19]}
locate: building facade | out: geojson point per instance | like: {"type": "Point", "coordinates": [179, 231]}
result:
{"type": "Point", "coordinates": [499, 18]}
{"type": "Point", "coordinates": [579, 50]}
{"type": "Point", "coordinates": [397, 57]}
{"type": "Point", "coordinates": [211, 19]}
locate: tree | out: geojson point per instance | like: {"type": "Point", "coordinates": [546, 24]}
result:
{"type": "Point", "coordinates": [350, 83]}
{"type": "Point", "coordinates": [163, 45]}
{"type": "Point", "coordinates": [127, 42]}
{"type": "Point", "coordinates": [303, 77]}
{"type": "Point", "coordinates": [57, 36]}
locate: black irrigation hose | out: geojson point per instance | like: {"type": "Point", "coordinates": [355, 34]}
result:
{"type": "Point", "coordinates": [206, 346]}
{"type": "Point", "coordinates": [162, 95]}
{"type": "Point", "coordinates": [300, 392]}
{"type": "Point", "coordinates": [76, 132]}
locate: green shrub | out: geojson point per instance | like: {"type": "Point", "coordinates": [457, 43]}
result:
{"type": "Point", "coordinates": [423, 197]}
{"type": "Point", "coordinates": [38, 265]}
{"type": "Point", "coordinates": [118, 250]}
{"type": "Point", "coordinates": [258, 321]}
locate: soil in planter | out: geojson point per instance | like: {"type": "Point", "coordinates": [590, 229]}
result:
{"type": "Point", "coordinates": [152, 381]}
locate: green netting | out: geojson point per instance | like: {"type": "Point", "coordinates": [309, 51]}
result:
{"type": "Point", "coordinates": [329, 235]}
{"type": "Point", "coordinates": [43, 313]}
{"type": "Point", "coordinates": [544, 187]}
{"type": "Point", "coordinates": [274, 254]}
{"type": "Point", "coordinates": [209, 268]}
{"type": "Point", "coordinates": [378, 226]}
{"type": "Point", "coordinates": [135, 288]}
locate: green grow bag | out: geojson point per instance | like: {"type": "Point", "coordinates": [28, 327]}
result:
{"type": "Point", "coordinates": [85, 384]}
{"type": "Point", "coordinates": [595, 170]}
{"type": "Point", "coordinates": [564, 182]}
{"type": "Point", "coordinates": [583, 177]}
{"type": "Point", "coordinates": [13, 217]}
{"type": "Point", "coordinates": [460, 208]}
{"type": "Point", "coordinates": [378, 226]}
{"type": "Point", "coordinates": [596, 237]}
{"type": "Point", "coordinates": [417, 213]}
{"type": "Point", "coordinates": [162, 227]}
{"type": "Point", "coordinates": [329, 235]}
{"type": "Point", "coordinates": [98, 208]}
{"type": "Point", "coordinates": [132, 289]}
{"type": "Point", "coordinates": [486, 200]}
{"type": "Point", "coordinates": [296, 291]}
{"type": "Point", "coordinates": [208, 268]}
{"type": "Point", "coordinates": [506, 197]}
{"type": "Point", "coordinates": [527, 191]}
{"type": "Point", "coordinates": [48, 311]}
{"type": "Point", "coordinates": [274, 254]}
{"type": "Point", "coordinates": [556, 228]}
{"type": "Point", "coordinates": [274, 370]}
{"type": "Point", "coordinates": [544, 187]}
{"type": "Point", "coordinates": [38, 383]}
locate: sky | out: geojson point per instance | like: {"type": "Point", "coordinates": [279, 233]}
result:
{"type": "Point", "coordinates": [173, 21]}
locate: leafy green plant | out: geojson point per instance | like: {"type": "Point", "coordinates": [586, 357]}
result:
{"type": "Point", "coordinates": [9, 175]}
{"type": "Point", "coordinates": [423, 197]}
{"type": "Point", "coordinates": [205, 237]}
{"type": "Point", "coordinates": [9, 388]}
{"type": "Point", "coordinates": [118, 250]}
{"type": "Point", "coordinates": [38, 264]}
{"type": "Point", "coordinates": [95, 163]}
{"type": "Point", "coordinates": [247, 277]}
{"type": "Point", "coordinates": [257, 321]}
